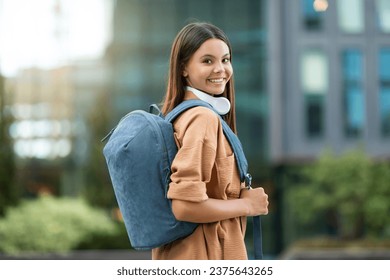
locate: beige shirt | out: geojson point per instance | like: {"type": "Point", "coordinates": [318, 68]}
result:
{"type": "Point", "coordinates": [203, 168]}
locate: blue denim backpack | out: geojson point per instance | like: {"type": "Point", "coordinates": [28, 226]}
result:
{"type": "Point", "coordinates": [139, 154]}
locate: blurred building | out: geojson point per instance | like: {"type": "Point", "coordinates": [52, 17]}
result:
{"type": "Point", "coordinates": [51, 129]}
{"type": "Point", "coordinates": [43, 110]}
{"type": "Point", "coordinates": [53, 87]}
{"type": "Point", "coordinates": [329, 74]}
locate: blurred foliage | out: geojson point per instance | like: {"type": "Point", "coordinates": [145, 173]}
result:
{"type": "Point", "coordinates": [99, 191]}
{"type": "Point", "coordinates": [100, 241]}
{"type": "Point", "coordinates": [326, 243]}
{"type": "Point", "coordinates": [49, 224]}
{"type": "Point", "coordinates": [8, 191]}
{"type": "Point", "coordinates": [349, 191]}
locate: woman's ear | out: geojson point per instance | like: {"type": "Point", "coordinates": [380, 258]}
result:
{"type": "Point", "coordinates": [185, 74]}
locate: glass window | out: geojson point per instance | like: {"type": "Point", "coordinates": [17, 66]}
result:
{"type": "Point", "coordinates": [314, 115]}
{"type": "Point", "coordinates": [351, 15]}
{"type": "Point", "coordinates": [314, 71]}
{"type": "Point", "coordinates": [384, 90]}
{"type": "Point", "coordinates": [314, 83]}
{"type": "Point", "coordinates": [312, 20]}
{"type": "Point", "coordinates": [353, 97]}
{"type": "Point", "coordinates": [383, 12]}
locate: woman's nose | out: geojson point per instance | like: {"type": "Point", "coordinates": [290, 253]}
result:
{"type": "Point", "coordinates": [218, 67]}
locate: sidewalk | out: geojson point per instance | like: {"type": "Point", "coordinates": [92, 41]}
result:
{"type": "Point", "coordinates": [84, 255]}
{"type": "Point", "coordinates": [336, 254]}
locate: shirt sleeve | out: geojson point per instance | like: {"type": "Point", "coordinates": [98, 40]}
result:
{"type": "Point", "coordinates": [196, 133]}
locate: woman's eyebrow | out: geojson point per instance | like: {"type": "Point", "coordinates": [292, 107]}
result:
{"type": "Point", "coordinates": [210, 55]}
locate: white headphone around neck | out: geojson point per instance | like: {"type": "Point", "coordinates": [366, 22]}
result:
{"type": "Point", "coordinates": [220, 104]}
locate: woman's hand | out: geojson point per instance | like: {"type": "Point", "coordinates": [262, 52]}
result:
{"type": "Point", "coordinates": [256, 200]}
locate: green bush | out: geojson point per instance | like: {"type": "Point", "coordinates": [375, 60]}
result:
{"type": "Point", "coordinates": [351, 188]}
{"type": "Point", "coordinates": [49, 224]}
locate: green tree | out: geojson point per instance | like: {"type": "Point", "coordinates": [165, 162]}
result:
{"type": "Point", "coordinates": [351, 187]}
{"type": "Point", "coordinates": [8, 191]}
{"type": "Point", "coordinates": [377, 205]}
{"type": "Point", "coordinates": [50, 224]}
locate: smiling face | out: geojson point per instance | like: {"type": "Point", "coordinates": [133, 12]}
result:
{"type": "Point", "coordinates": [209, 69]}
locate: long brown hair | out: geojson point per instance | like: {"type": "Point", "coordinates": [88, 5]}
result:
{"type": "Point", "coordinates": [186, 43]}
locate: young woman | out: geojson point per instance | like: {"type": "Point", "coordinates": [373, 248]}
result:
{"type": "Point", "coordinates": [205, 187]}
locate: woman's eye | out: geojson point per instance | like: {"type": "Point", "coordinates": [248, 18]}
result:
{"type": "Point", "coordinates": [226, 60]}
{"type": "Point", "coordinates": [207, 61]}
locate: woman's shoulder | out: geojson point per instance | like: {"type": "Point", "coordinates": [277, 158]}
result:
{"type": "Point", "coordinates": [199, 115]}
{"type": "Point", "coordinates": [199, 120]}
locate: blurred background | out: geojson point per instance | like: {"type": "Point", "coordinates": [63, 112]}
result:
{"type": "Point", "coordinates": [313, 114]}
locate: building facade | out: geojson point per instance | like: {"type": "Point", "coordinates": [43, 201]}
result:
{"type": "Point", "coordinates": [328, 78]}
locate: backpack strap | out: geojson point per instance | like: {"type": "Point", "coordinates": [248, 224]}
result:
{"type": "Point", "coordinates": [187, 104]}
{"type": "Point", "coordinates": [242, 163]}
{"type": "Point", "coordinates": [257, 238]}
{"type": "Point", "coordinates": [245, 176]}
